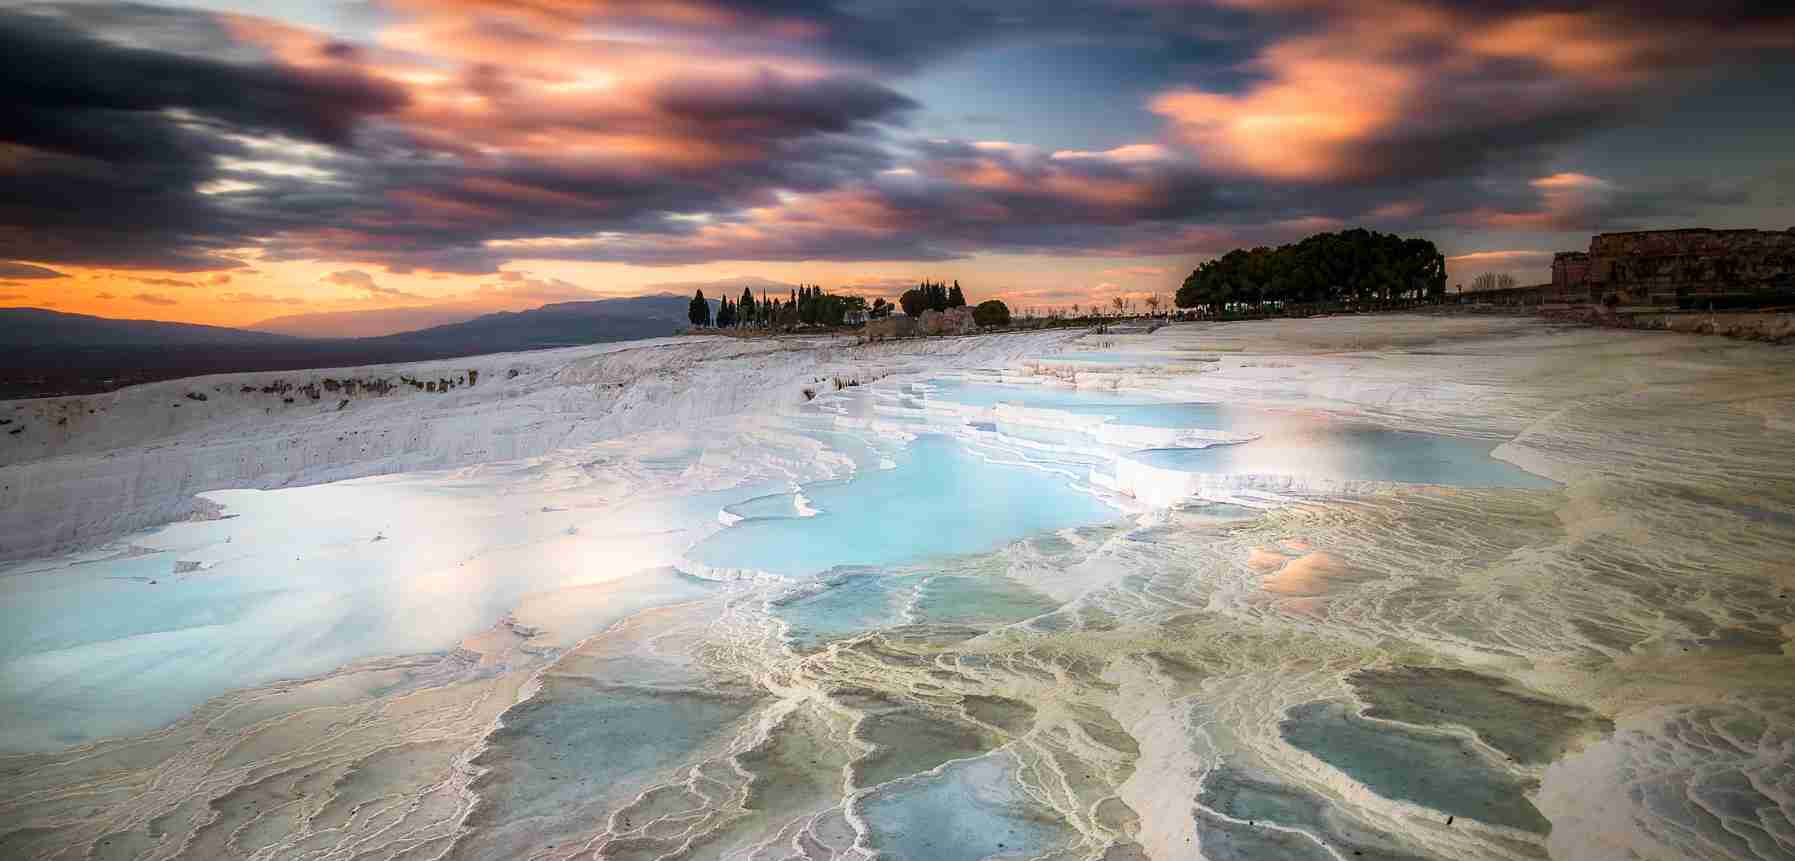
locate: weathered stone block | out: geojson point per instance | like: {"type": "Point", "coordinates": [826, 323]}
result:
{"type": "Point", "coordinates": [891, 327]}
{"type": "Point", "coordinates": [953, 321]}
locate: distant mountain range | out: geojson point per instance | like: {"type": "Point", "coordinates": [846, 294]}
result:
{"type": "Point", "coordinates": [45, 353]}
{"type": "Point", "coordinates": [376, 322]}
{"type": "Point", "coordinates": [371, 323]}
{"type": "Point", "coordinates": [559, 325]}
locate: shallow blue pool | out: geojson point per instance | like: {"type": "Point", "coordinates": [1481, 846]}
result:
{"type": "Point", "coordinates": [1349, 452]}
{"type": "Point", "coordinates": [940, 500]}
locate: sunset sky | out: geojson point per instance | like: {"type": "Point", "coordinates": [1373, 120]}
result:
{"type": "Point", "coordinates": [227, 162]}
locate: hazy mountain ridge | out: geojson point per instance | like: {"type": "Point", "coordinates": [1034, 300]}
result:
{"type": "Point", "coordinates": [27, 328]}
{"type": "Point", "coordinates": [380, 322]}
{"type": "Point", "coordinates": [370, 323]}
{"type": "Point", "coordinates": [50, 352]}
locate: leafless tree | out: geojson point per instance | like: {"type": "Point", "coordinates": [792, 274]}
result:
{"type": "Point", "coordinates": [1493, 281]}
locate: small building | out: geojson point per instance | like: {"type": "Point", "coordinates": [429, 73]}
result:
{"type": "Point", "coordinates": [854, 317]}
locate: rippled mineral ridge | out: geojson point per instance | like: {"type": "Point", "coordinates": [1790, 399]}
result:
{"type": "Point", "coordinates": [1372, 587]}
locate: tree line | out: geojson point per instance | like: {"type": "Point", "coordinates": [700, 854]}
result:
{"type": "Point", "coordinates": [1493, 281]}
{"type": "Point", "coordinates": [810, 304]}
{"type": "Point", "coordinates": [931, 296]}
{"type": "Point", "coordinates": [1355, 267]}
{"type": "Point", "coordinates": [806, 304]}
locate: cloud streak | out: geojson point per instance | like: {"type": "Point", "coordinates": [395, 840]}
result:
{"type": "Point", "coordinates": [26, 271]}
{"type": "Point", "coordinates": [356, 279]}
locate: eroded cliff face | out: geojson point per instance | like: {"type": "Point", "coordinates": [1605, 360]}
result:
{"type": "Point", "coordinates": [1664, 265]}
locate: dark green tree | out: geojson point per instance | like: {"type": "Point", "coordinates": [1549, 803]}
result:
{"type": "Point", "coordinates": [1354, 268]}
{"type": "Point", "coordinates": [937, 296]}
{"type": "Point", "coordinates": [699, 310]}
{"type": "Point", "coordinates": [991, 312]}
{"type": "Point", "coordinates": [956, 299]}
{"type": "Point", "coordinates": [745, 308]}
{"type": "Point", "coordinates": [914, 302]}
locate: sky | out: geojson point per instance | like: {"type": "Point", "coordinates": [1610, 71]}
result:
{"type": "Point", "coordinates": [228, 162]}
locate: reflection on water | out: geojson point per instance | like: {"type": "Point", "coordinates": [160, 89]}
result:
{"type": "Point", "coordinates": [1348, 452]}
{"type": "Point", "coordinates": [298, 582]}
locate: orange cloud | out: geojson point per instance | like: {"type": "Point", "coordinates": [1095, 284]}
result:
{"type": "Point", "coordinates": [1567, 201]}
{"type": "Point", "coordinates": [1386, 78]}
{"type": "Point", "coordinates": [1301, 124]}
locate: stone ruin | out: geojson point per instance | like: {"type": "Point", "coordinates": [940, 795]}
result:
{"type": "Point", "coordinates": [890, 327]}
{"type": "Point", "coordinates": [1570, 269]}
{"type": "Point", "coordinates": [1686, 268]}
{"type": "Point", "coordinates": [953, 321]}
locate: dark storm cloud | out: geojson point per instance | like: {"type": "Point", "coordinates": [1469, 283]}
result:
{"type": "Point", "coordinates": [60, 79]}
{"type": "Point", "coordinates": [106, 144]}
{"type": "Point", "coordinates": [774, 106]}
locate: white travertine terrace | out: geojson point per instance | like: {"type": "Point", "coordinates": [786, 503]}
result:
{"type": "Point", "coordinates": [1228, 666]}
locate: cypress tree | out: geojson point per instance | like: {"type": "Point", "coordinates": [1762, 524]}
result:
{"type": "Point", "coordinates": [699, 311]}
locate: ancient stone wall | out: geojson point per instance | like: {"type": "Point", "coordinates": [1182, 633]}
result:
{"type": "Point", "coordinates": [953, 321]}
{"type": "Point", "coordinates": [1570, 269]}
{"type": "Point", "coordinates": [1666, 267]}
{"type": "Point", "coordinates": [890, 327]}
